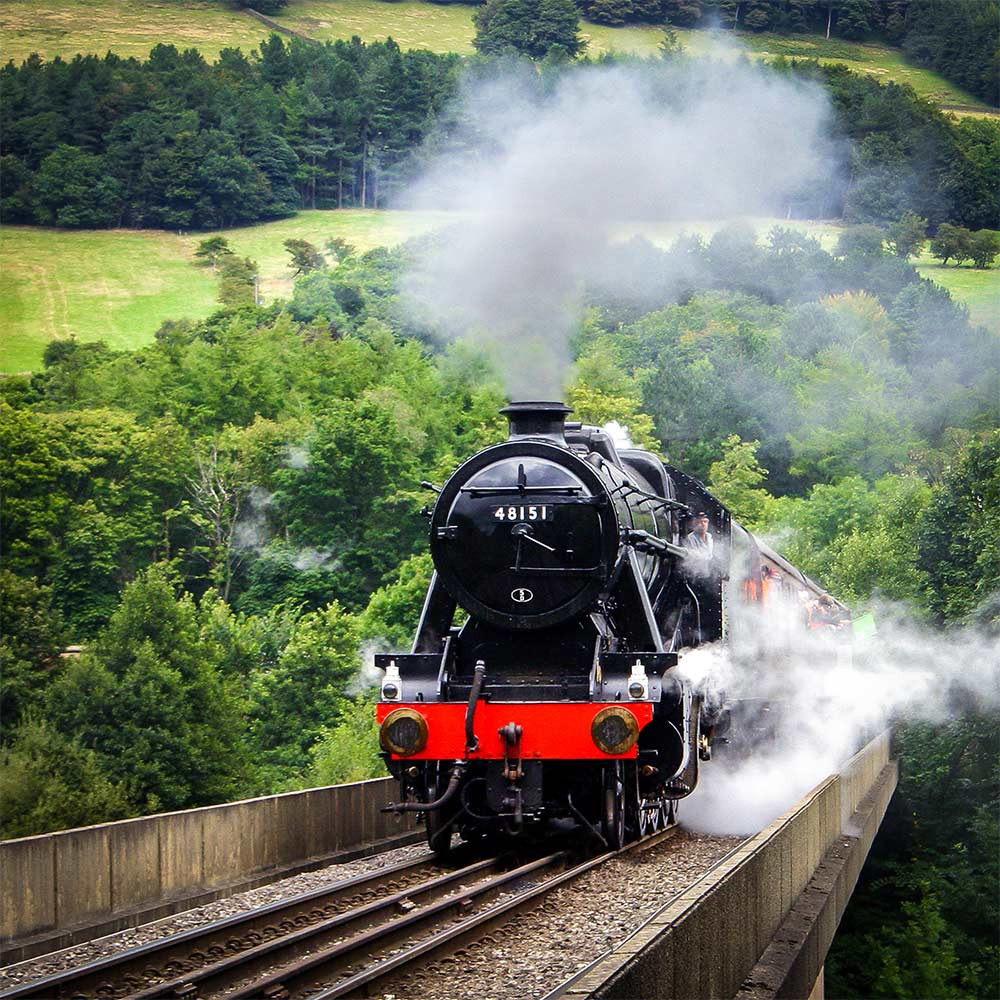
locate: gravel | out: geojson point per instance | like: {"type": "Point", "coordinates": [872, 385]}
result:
{"type": "Point", "coordinates": [533, 953]}
{"type": "Point", "coordinates": [526, 958]}
{"type": "Point", "coordinates": [91, 951]}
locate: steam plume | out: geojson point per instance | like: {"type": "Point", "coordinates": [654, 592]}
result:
{"type": "Point", "coordinates": [827, 703]}
{"type": "Point", "coordinates": [551, 176]}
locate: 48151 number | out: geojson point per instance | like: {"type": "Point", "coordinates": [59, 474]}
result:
{"type": "Point", "coordinates": [522, 512]}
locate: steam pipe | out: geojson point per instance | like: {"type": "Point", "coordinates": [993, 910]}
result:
{"type": "Point", "coordinates": [471, 740]}
{"type": "Point", "coordinates": [454, 781]}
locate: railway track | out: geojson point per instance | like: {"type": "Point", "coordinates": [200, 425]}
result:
{"type": "Point", "coordinates": [332, 942]}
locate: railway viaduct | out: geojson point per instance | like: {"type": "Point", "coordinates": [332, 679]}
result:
{"type": "Point", "coordinates": [757, 925]}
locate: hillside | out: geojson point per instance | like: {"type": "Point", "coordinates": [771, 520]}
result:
{"type": "Point", "coordinates": [120, 285]}
{"type": "Point", "coordinates": [131, 27]}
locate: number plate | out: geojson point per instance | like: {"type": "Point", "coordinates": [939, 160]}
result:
{"type": "Point", "coordinates": [523, 512]}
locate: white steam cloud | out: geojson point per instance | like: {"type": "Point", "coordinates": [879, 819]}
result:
{"type": "Point", "coordinates": [828, 695]}
{"type": "Point", "coordinates": [552, 177]}
{"type": "Point", "coordinates": [368, 676]}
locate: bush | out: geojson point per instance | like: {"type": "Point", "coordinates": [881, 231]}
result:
{"type": "Point", "coordinates": [350, 750]}
{"type": "Point", "coordinates": [50, 782]}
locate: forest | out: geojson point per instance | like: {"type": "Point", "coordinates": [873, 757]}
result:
{"type": "Point", "coordinates": [207, 539]}
{"type": "Point", "coordinates": [176, 142]}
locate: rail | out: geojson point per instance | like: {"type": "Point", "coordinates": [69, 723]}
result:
{"type": "Point", "coordinates": [73, 885]}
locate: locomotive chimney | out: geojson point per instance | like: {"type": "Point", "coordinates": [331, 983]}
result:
{"type": "Point", "coordinates": [533, 419]}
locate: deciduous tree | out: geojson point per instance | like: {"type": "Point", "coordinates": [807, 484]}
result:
{"type": "Point", "coordinates": [305, 257]}
{"type": "Point", "coordinates": [907, 234]}
{"type": "Point", "coordinates": [984, 248]}
{"type": "Point", "coordinates": [213, 250]}
{"type": "Point", "coordinates": [951, 243]}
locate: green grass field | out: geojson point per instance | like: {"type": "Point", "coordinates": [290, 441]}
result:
{"type": "Point", "coordinates": [882, 61]}
{"type": "Point", "coordinates": [131, 27]}
{"type": "Point", "coordinates": [127, 27]}
{"type": "Point", "coordinates": [979, 290]}
{"type": "Point", "coordinates": [119, 286]}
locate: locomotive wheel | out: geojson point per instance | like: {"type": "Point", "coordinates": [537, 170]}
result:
{"type": "Point", "coordinates": [613, 820]}
{"type": "Point", "coordinates": [665, 814]}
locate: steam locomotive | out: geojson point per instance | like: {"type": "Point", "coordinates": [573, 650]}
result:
{"type": "Point", "coordinates": [558, 697]}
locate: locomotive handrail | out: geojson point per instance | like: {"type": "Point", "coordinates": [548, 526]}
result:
{"type": "Point", "coordinates": [660, 501]}
{"type": "Point", "coordinates": [471, 740]}
{"type": "Point", "coordinates": [498, 491]}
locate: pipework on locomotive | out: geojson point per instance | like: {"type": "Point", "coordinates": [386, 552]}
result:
{"type": "Point", "coordinates": [585, 573]}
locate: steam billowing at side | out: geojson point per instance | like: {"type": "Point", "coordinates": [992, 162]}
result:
{"type": "Point", "coordinates": [549, 177]}
{"type": "Point", "coordinates": [827, 694]}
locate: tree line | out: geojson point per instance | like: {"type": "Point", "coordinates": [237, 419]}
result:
{"type": "Point", "coordinates": [179, 143]}
{"type": "Point", "coordinates": [959, 40]}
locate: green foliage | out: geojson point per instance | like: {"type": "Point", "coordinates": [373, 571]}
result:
{"type": "Point", "coordinates": [83, 497]}
{"type": "Point", "coordinates": [735, 479]}
{"type": "Point", "coordinates": [984, 248]}
{"type": "Point", "coordinates": [349, 750]}
{"type": "Point", "coordinates": [907, 234]}
{"type": "Point", "coordinates": [51, 782]}
{"type": "Point", "coordinates": [880, 554]}
{"type": "Point", "coordinates": [71, 189]}
{"type": "Point", "coordinates": [150, 700]}
{"type": "Point", "coordinates": [960, 539]}
{"type": "Point", "coordinates": [864, 240]}
{"type": "Point", "coordinates": [305, 257]}
{"type": "Point", "coordinates": [296, 697]}
{"type": "Point", "coordinates": [313, 125]}
{"type": "Point", "coordinates": [529, 27]}
{"type": "Point", "coordinates": [212, 250]}
{"type": "Point", "coordinates": [394, 609]}
{"type": "Point", "coordinates": [238, 281]}
{"type": "Point", "coordinates": [603, 391]}
{"type": "Point", "coordinates": [951, 243]}
{"type": "Point", "coordinates": [918, 958]}
{"type": "Point", "coordinates": [30, 642]}
{"type": "Point", "coordinates": [935, 865]}
{"type": "Point", "coordinates": [959, 40]}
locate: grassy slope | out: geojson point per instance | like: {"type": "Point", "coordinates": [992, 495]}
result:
{"type": "Point", "coordinates": [129, 26]}
{"type": "Point", "coordinates": [979, 290]}
{"type": "Point", "coordinates": [120, 286]}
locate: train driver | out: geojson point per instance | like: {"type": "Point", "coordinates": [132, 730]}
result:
{"type": "Point", "coordinates": [699, 539]}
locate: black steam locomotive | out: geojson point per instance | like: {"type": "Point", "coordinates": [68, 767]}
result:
{"type": "Point", "coordinates": [558, 696]}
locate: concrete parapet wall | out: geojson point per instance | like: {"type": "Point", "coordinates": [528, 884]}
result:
{"type": "Point", "coordinates": [79, 878]}
{"type": "Point", "coordinates": [707, 941]}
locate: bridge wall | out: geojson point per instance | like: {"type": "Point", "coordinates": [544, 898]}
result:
{"type": "Point", "coordinates": [759, 923]}
{"type": "Point", "coordinates": [61, 888]}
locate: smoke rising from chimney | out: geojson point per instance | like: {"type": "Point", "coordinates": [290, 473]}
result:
{"type": "Point", "coordinates": [545, 174]}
